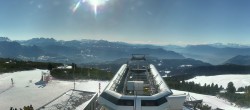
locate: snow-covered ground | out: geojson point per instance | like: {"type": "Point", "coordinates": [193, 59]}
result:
{"type": "Point", "coordinates": [212, 101]}
{"type": "Point", "coordinates": [238, 80]}
{"type": "Point", "coordinates": [25, 92]}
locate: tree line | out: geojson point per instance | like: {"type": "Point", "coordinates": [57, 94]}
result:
{"type": "Point", "coordinates": [208, 89]}
{"type": "Point", "coordinates": [81, 73]}
{"type": "Point", "coordinates": [188, 73]}
{"type": "Point", "coordinates": [13, 65]}
{"type": "Point", "coordinates": [242, 100]}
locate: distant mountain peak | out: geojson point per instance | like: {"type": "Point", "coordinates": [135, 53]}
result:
{"type": "Point", "coordinates": [39, 41]}
{"type": "Point", "coordinates": [44, 39]}
{"type": "Point", "coordinates": [4, 39]}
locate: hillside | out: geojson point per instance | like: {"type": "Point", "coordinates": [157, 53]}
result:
{"type": "Point", "coordinates": [211, 53]}
{"type": "Point", "coordinates": [26, 91]}
{"type": "Point", "coordinates": [162, 65]}
{"type": "Point", "coordinates": [213, 101]}
{"type": "Point", "coordinates": [239, 60]}
{"type": "Point", "coordinates": [12, 49]}
{"type": "Point", "coordinates": [239, 80]}
{"type": "Point", "coordinates": [187, 73]}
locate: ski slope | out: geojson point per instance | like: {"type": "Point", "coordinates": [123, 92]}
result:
{"type": "Point", "coordinates": [238, 80]}
{"type": "Point", "coordinates": [212, 101]}
{"type": "Point", "coordinates": [24, 91]}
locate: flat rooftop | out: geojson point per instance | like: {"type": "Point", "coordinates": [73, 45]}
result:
{"type": "Point", "coordinates": [72, 99]}
{"type": "Point", "coordinates": [136, 74]}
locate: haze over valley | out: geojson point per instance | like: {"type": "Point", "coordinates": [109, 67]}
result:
{"type": "Point", "coordinates": [96, 51]}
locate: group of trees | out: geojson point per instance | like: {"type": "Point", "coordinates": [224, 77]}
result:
{"type": "Point", "coordinates": [239, 99]}
{"type": "Point", "coordinates": [188, 73]}
{"type": "Point", "coordinates": [213, 89]}
{"type": "Point", "coordinates": [81, 73]}
{"type": "Point", "coordinates": [12, 65]}
{"type": "Point", "coordinates": [193, 87]}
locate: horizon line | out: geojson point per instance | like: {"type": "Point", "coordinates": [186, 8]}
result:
{"type": "Point", "coordinates": [139, 42]}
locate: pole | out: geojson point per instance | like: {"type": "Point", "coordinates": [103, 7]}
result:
{"type": "Point", "coordinates": [135, 96]}
{"type": "Point", "coordinates": [99, 87]}
{"type": "Point", "coordinates": [74, 76]}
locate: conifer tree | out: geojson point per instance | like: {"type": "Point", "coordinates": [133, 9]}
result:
{"type": "Point", "coordinates": [231, 88]}
{"type": "Point", "coordinates": [221, 88]}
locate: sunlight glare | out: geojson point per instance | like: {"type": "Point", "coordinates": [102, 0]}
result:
{"type": "Point", "coordinates": [94, 3]}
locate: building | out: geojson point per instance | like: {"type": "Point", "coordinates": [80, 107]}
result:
{"type": "Point", "coordinates": [138, 86]}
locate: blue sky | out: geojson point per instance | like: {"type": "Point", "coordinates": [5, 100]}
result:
{"type": "Point", "coordinates": [134, 21]}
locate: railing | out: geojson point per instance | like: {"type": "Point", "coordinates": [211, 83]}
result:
{"type": "Point", "coordinates": [125, 84]}
{"type": "Point", "coordinates": [117, 80]}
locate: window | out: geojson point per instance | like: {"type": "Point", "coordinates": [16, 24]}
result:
{"type": "Point", "coordinates": [154, 102]}
{"type": "Point", "coordinates": [114, 100]}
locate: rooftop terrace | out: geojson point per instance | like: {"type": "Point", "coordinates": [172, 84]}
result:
{"type": "Point", "coordinates": [136, 79]}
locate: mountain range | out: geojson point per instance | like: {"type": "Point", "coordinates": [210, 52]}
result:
{"type": "Point", "coordinates": [77, 51]}
{"type": "Point", "coordinates": [86, 51]}
{"type": "Point", "coordinates": [211, 53]}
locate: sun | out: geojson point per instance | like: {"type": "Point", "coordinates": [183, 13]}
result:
{"type": "Point", "coordinates": [94, 3]}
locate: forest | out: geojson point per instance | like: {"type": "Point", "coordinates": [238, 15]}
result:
{"type": "Point", "coordinates": [81, 73]}
{"type": "Point", "coordinates": [13, 65]}
{"type": "Point", "coordinates": [242, 100]}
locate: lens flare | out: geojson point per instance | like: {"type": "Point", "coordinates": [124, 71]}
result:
{"type": "Point", "coordinates": [94, 3]}
{"type": "Point", "coordinates": [76, 6]}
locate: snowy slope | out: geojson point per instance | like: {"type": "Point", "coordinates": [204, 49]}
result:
{"type": "Point", "coordinates": [212, 101]}
{"type": "Point", "coordinates": [25, 93]}
{"type": "Point", "coordinates": [238, 80]}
